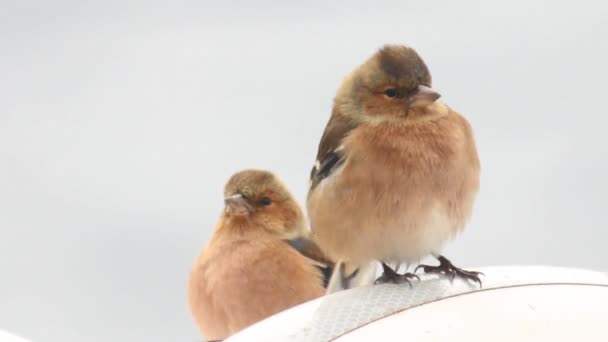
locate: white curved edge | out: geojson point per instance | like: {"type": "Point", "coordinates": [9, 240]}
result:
{"type": "Point", "coordinates": [5, 336]}
{"type": "Point", "coordinates": [526, 313]}
{"type": "Point", "coordinates": [285, 325]}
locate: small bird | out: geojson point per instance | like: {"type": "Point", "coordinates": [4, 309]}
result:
{"type": "Point", "coordinates": [396, 173]}
{"type": "Point", "coordinates": [259, 260]}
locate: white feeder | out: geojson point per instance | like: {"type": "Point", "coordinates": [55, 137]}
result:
{"type": "Point", "coordinates": [516, 303]}
{"type": "Point", "coordinates": [5, 336]}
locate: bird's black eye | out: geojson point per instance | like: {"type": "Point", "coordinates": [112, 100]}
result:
{"type": "Point", "coordinates": [390, 92]}
{"type": "Point", "coordinates": [265, 201]}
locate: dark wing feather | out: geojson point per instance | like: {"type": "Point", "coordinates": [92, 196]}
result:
{"type": "Point", "coordinates": [329, 158]}
{"type": "Point", "coordinates": [309, 249]}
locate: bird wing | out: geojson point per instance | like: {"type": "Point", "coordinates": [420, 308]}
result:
{"type": "Point", "coordinates": [330, 155]}
{"type": "Point", "coordinates": [311, 250]}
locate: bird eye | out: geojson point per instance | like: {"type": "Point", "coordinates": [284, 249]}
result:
{"type": "Point", "coordinates": [390, 92]}
{"type": "Point", "coordinates": [265, 201]}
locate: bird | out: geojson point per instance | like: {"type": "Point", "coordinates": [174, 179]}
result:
{"type": "Point", "coordinates": [260, 259]}
{"type": "Point", "coordinates": [396, 174]}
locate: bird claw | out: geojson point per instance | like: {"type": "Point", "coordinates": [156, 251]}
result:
{"type": "Point", "coordinates": [447, 268]}
{"type": "Point", "coordinates": [389, 276]}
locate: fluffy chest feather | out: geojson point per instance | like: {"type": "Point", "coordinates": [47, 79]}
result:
{"type": "Point", "coordinates": [427, 156]}
{"type": "Point", "coordinates": [403, 189]}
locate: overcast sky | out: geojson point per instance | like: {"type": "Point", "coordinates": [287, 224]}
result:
{"type": "Point", "coordinates": [120, 123]}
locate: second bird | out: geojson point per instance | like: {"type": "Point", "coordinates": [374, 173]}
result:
{"type": "Point", "coordinates": [259, 260]}
{"type": "Point", "coordinates": [396, 173]}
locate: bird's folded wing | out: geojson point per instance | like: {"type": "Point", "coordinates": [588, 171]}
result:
{"type": "Point", "coordinates": [309, 249]}
{"type": "Point", "coordinates": [329, 155]}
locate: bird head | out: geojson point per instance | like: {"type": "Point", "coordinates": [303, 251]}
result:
{"type": "Point", "coordinates": [393, 84]}
{"type": "Point", "coordinates": [260, 199]}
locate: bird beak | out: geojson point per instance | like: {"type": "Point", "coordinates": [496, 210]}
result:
{"type": "Point", "coordinates": [236, 204]}
{"type": "Point", "coordinates": [423, 96]}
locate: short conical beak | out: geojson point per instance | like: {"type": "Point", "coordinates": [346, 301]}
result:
{"type": "Point", "coordinates": [423, 96]}
{"type": "Point", "coordinates": [236, 204]}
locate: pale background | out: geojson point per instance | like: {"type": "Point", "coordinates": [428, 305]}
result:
{"type": "Point", "coordinates": [120, 123]}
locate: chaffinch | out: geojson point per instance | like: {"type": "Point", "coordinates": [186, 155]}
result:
{"type": "Point", "coordinates": [259, 260]}
{"type": "Point", "coordinates": [396, 173]}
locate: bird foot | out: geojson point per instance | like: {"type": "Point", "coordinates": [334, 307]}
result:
{"type": "Point", "coordinates": [389, 276]}
{"type": "Point", "coordinates": [447, 268]}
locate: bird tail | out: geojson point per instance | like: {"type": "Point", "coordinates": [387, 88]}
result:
{"type": "Point", "coordinates": [347, 276]}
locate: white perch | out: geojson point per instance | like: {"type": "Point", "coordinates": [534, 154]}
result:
{"type": "Point", "coordinates": [517, 303]}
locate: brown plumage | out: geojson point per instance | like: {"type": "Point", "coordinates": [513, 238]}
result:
{"type": "Point", "coordinates": [252, 267]}
{"type": "Point", "coordinates": [397, 170]}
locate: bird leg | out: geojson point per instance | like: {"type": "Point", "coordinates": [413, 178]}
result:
{"type": "Point", "coordinates": [391, 277]}
{"type": "Point", "coordinates": [447, 268]}
{"type": "Point", "coordinates": [343, 278]}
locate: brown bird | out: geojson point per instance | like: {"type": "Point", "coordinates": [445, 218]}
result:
{"type": "Point", "coordinates": [259, 260]}
{"type": "Point", "coordinates": [396, 173]}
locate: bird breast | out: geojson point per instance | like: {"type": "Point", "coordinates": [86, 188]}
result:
{"type": "Point", "coordinates": [403, 189]}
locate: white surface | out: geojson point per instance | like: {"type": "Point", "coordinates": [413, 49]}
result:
{"type": "Point", "coordinates": [5, 336]}
{"type": "Point", "coordinates": [330, 317]}
{"type": "Point", "coordinates": [532, 313]}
